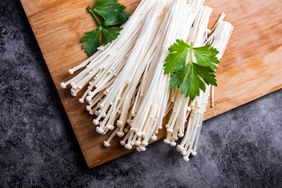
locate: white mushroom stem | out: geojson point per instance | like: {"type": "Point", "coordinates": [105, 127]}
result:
{"type": "Point", "coordinates": [212, 96]}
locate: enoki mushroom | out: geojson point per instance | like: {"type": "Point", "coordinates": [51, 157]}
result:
{"type": "Point", "coordinates": [126, 89]}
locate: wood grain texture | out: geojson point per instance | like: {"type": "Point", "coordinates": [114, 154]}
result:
{"type": "Point", "coordinates": [251, 67]}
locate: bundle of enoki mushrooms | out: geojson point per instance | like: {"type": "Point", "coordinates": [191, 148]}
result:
{"type": "Point", "coordinates": [127, 90]}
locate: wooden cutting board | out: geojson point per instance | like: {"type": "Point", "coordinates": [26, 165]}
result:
{"type": "Point", "coordinates": [251, 67]}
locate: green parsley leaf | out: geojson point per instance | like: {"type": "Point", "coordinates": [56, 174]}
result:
{"type": "Point", "coordinates": [177, 78]}
{"type": "Point", "coordinates": [206, 56]}
{"type": "Point", "coordinates": [109, 15]}
{"type": "Point", "coordinates": [191, 83]}
{"type": "Point", "coordinates": [191, 74]}
{"type": "Point", "coordinates": [91, 41]}
{"type": "Point", "coordinates": [109, 34]}
{"type": "Point", "coordinates": [206, 73]}
{"type": "Point", "coordinates": [111, 11]}
{"type": "Point", "coordinates": [176, 57]}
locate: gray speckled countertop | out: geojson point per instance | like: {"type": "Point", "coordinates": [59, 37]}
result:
{"type": "Point", "coordinates": [241, 148]}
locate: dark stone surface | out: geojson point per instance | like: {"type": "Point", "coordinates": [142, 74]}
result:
{"type": "Point", "coordinates": [242, 148]}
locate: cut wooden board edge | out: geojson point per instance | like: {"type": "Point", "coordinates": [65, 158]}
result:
{"type": "Point", "coordinates": [124, 151]}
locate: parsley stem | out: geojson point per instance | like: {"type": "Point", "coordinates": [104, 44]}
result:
{"type": "Point", "coordinates": [191, 55]}
{"type": "Point", "coordinates": [95, 17]}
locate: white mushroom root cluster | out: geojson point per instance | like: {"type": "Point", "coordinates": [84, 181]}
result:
{"type": "Point", "coordinates": [127, 90]}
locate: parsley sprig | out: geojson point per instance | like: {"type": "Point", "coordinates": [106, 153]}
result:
{"type": "Point", "coordinates": [191, 69]}
{"type": "Point", "coordinates": [109, 15]}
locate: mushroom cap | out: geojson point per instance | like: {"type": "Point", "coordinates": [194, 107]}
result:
{"type": "Point", "coordinates": [100, 130]}
{"type": "Point", "coordinates": [128, 146]}
{"type": "Point", "coordinates": [122, 142]}
{"type": "Point", "coordinates": [142, 148]}
{"type": "Point", "coordinates": [106, 144]}
{"type": "Point", "coordinates": [63, 85]}
{"type": "Point", "coordinates": [139, 133]}
{"type": "Point", "coordinates": [194, 153]}
{"type": "Point", "coordinates": [88, 108]}
{"type": "Point", "coordinates": [73, 94]}
{"type": "Point", "coordinates": [186, 158]}
{"type": "Point", "coordinates": [180, 134]}
{"type": "Point", "coordinates": [111, 127]}
{"type": "Point", "coordinates": [173, 143]}
{"type": "Point", "coordinates": [88, 98]}
{"type": "Point", "coordinates": [137, 142]}
{"type": "Point", "coordinates": [81, 100]}
{"type": "Point", "coordinates": [96, 122]}
{"type": "Point", "coordinates": [71, 71]}
{"type": "Point", "coordinates": [179, 148]}
{"type": "Point", "coordinates": [166, 141]}
{"type": "Point", "coordinates": [120, 123]}
{"type": "Point", "coordinates": [97, 113]}
{"type": "Point", "coordinates": [169, 130]}
{"type": "Point", "coordinates": [145, 143]}
{"type": "Point", "coordinates": [120, 134]}
{"type": "Point", "coordinates": [154, 137]}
